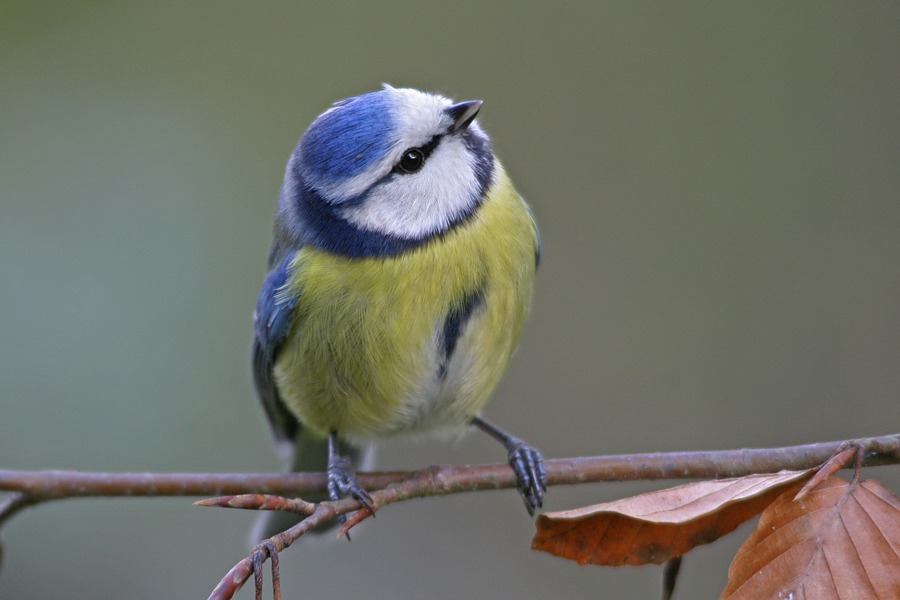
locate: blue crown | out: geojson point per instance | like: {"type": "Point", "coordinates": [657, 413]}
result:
{"type": "Point", "coordinates": [349, 138]}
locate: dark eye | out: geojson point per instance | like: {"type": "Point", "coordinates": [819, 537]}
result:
{"type": "Point", "coordinates": [411, 161]}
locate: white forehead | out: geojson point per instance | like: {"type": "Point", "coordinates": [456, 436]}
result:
{"type": "Point", "coordinates": [417, 116]}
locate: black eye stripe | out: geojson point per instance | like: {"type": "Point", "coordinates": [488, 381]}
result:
{"type": "Point", "coordinates": [431, 145]}
{"type": "Point", "coordinates": [406, 166]}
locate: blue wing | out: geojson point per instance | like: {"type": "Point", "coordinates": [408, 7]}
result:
{"type": "Point", "coordinates": [272, 323]}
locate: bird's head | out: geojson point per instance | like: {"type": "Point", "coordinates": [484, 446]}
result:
{"type": "Point", "coordinates": [390, 168]}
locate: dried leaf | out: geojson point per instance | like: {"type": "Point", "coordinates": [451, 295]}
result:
{"type": "Point", "coordinates": [841, 541]}
{"type": "Point", "coordinates": [655, 527]}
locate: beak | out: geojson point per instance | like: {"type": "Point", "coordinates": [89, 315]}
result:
{"type": "Point", "coordinates": [462, 114]}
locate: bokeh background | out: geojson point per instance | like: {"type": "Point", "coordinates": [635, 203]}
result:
{"type": "Point", "coordinates": [717, 189]}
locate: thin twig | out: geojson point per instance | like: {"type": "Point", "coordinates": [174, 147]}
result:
{"type": "Point", "coordinates": [10, 506]}
{"type": "Point", "coordinates": [251, 565]}
{"type": "Point", "coordinates": [13, 504]}
{"type": "Point", "coordinates": [449, 480]}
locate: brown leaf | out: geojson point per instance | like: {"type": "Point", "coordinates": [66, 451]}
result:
{"type": "Point", "coordinates": [841, 541]}
{"type": "Point", "coordinates": [655, 527]}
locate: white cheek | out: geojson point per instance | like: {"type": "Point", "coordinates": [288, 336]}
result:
{"type": "Point", "coordinates": [424, 203]}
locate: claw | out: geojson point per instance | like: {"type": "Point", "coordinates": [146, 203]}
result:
{"type": "Point", "coordinates": [531, 476]}
{"type": "Point", "coordinates": [342, 481]}
{"type": "Point", "coordinates": [526, 461]}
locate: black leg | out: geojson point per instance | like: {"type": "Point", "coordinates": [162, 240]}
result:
{"type": "Point", "coordinates": [525, 460]}
{"type": "Point", "coordinates": [341, 479]}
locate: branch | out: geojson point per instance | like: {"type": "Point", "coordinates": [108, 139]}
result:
{"type": "Point", "coordinates": [257, 491]}
{"type": "Point", "coordinates": [42, 486]}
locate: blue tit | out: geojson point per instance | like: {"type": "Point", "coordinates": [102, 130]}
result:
{"type": "Point", "coordinates": [399, 279]}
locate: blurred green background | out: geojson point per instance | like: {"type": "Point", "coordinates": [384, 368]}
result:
{"type": "Point", "coordinates": [717, 189]}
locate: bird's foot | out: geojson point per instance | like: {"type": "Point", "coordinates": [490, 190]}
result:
{"type": "Point", "coordinates": [531, 476]}
{"type": "Point", "coordinates": [525, 460]}
{"type": "Point", "coordinates": [342, 482]}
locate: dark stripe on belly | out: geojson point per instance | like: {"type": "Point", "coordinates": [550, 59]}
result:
{"type": "Point", "coordinates": [454, 325]}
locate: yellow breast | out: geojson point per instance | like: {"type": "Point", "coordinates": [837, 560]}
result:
{"type": "Point", "coordinates": [366, 354]}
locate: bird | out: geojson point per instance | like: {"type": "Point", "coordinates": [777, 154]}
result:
{"type": "Point", "coordinates": [399, 277]}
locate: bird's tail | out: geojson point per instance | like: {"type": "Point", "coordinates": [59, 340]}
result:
{"type": "Point", "coordinates": [310, 455]}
